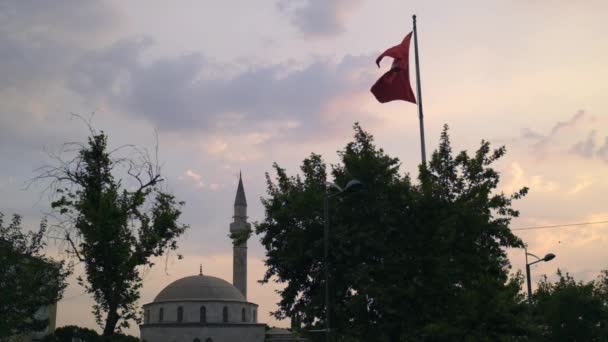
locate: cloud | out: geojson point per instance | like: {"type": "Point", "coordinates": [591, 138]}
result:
{"type": "Point", "coordinates": [318, 18]}
{"type": "Point", "coordinates": [562, 138]}
{"type": "Point", "coordinates": [559, 127]}
{"type": "Point", "coordinates": [177, 94]}
{"type": "Point", "coordinates": [67, 57]}
{"type": "Point", "coordinates": [73, 19]}
{"type": "Point", "coordinates": [38, 40]}
{"type": "Point", "coordinates": [39, 43]}
{"type": "Point", "coordinates": [562, 125]}
{"type": "Point", "coordinates": [528, 134]}
{"type": "Point", "coordinates": [585, 148]}
{"type": "Point", "coordinates": [602, 152]}
{"type": "Point", "coordinates": [216, 146]}
{"type": "Point", "coordinates": [518, 179]}
{"type": "Point", "coordinates": [195, 177]}
{"type": "Point", "coordinates": [580, 186]}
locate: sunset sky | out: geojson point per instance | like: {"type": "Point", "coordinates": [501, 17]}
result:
{"type": "Point", "coordinates": [238, 84]}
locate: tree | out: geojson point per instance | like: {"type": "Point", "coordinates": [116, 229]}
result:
{"type": "Point", "coordinates": [114, 227]}
{"type": "Point", "coordinates": [571, 310]}
{"type": "Point", "coordinates": [29, 281]}
{"type": "Point", "coordinates": [462, 228]}
{"type": "Point", "coordinates": [71, 333]}
{"type": "Point", "coordinates": [408, 261]}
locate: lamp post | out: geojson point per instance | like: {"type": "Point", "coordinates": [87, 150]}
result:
{"type": "Point", "coordinates": [350, 186]}
{"type": "Point", "coordinates": [547, 257]}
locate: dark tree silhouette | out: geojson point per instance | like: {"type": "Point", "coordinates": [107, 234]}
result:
{"type": "Point", "coordinates": [113, 226]}
{"type": "Point", "coordinates": [29, 281]}
{"type": "Point", "coordinates": [408, 261]}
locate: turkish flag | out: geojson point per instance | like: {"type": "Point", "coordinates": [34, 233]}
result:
{"type": "Point", "coordinates": [395, 83]}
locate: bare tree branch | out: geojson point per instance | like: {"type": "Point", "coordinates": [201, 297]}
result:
{"type": "Point", "coordinates": [74, 249]}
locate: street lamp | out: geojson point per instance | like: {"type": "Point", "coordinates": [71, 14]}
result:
{"type": "Point", "coordinates": [547, 257]}
{"type": "Point", "coordinates": [352, 185]}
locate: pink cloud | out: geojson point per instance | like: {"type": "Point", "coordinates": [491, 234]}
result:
{"type": "Point", "coordinates": [196, 178]}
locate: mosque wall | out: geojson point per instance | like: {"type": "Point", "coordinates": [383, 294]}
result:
{"type": "Point", "coordinates": [192, 312]}
{"type": "Point", "coordinates": [214, 332]}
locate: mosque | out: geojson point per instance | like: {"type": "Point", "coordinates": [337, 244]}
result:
{"type": "Point", "coordinates": [203, 308]}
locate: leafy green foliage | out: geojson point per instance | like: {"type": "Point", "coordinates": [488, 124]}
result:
{"type": "Point", "coordinates": [29, 281]}
{"type": "Point", "coordinates": [112, 229]}
{"type": "Point", "coordinates": [571, 310]}
{"type": "Point", "coordinates": [462, 227]}
{"type": "Point", "coordinates": [240, 237]}
{"type": "Point", "coordinates": [408, 261]}
{"type": "Point", "coordinates": [71, 333]}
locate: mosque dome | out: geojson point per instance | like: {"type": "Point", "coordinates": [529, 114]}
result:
{"type": "Point", "coordinates": [200, 288]}
{"type": "Point", "coordinates": [205, 308]}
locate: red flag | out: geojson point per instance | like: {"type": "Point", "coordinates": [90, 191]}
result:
{"type": "Point", "coordinates": [395, 83]}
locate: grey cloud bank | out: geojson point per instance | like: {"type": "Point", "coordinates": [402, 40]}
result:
{"type": "Point", "coordinates": [39, 39]}
{"type": "Point", "coordinates": [174, 94]}
{"type": "Point", "coordinates": [69, 48]}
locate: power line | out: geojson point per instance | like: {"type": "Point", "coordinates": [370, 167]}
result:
{"type": "Point", "coordinates": [561, 225]}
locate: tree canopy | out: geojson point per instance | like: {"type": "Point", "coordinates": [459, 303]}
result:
{"type": "Point", "coordinates": [70, 333]}
{"type": "Point", "coordinates": [570, 310]}
{"type": "Point", "coordinates": [29, 281]}
{"type": "Point", "coordinates": [113, 226]}
{"type": "Point", "coordinates": [409, 260]}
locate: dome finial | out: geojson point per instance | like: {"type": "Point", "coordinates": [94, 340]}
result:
{"type": "Point", "coordinates": [201, 270]}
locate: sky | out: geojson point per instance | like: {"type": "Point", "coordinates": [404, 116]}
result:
{"type": "Point", "coordinates": [235, 85]}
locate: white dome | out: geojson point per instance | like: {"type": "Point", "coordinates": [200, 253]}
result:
{"type": "Point", "coordinates": [200, 287]}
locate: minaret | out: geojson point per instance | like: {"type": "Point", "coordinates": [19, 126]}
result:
{"type": "Point", "coordinates": [238, 226]}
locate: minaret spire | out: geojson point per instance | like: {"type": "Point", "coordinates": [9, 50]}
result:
{"type": "Point", "coordinates": [239, 230]}
{"type": "Point", "coordinates": [240, 193]}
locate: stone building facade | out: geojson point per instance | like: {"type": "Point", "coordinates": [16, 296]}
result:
{"type": "Point", "coordinates": [203, 308]}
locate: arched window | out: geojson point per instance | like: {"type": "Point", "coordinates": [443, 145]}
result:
{"type": "Point", "coordinates": [196, 340]}
{"type": "Point", "coordinates": [225, 314]}
{"type": "Point", "coordinates": [203, 317]}
{"type": "Point", "coordinates": [243, 318]}
{"type": "Point", "coordinates": [180, 314]}
{"type": "Point", "coordinates": [161, 314]}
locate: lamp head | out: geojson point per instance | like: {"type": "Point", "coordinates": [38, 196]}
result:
{"type": "Point", "coordinates": [353, 185]}
{"type": "Point", "coordinates": [330, 185]}
{"type": "Point", "coordinates": [548, 257]}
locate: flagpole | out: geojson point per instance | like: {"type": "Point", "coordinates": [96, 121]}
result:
{"type": "Point", "coordinates": [420, 116]}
